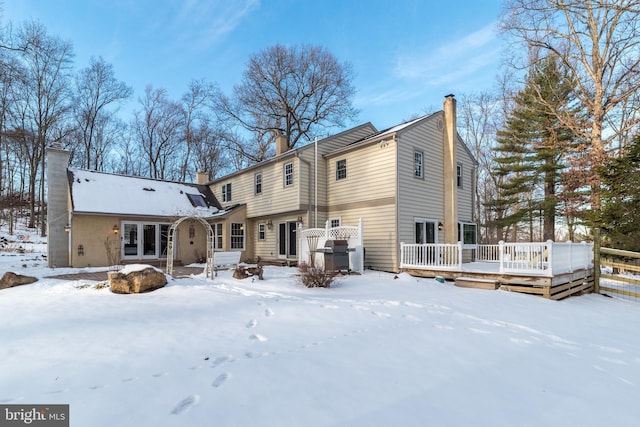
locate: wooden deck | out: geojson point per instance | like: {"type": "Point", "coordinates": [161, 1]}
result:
{"type": "Point", "coordinates": [483, 275]}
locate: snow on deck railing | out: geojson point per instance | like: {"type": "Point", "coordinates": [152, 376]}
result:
{"type": "Point", "coordinates": [545, 259]}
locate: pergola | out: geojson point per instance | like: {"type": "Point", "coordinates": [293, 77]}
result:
{"type": "Point", "coordinates": [210, 240]}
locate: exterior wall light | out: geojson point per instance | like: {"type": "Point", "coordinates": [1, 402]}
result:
{"type": "Point", "coordinates": [115, 229]}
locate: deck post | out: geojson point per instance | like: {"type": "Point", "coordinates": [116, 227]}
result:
{"type": "Point", "coordinates": [501, 255]}
{"type": "Point", "coordinates": [549, 244]}
{"type": "Point", "coordinates": [459, 255]}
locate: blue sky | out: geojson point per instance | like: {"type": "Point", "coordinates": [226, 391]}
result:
{"type": "Point", "coordinates": [407, 54]}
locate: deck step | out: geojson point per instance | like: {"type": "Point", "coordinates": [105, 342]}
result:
{"type": "Point", "coordinates": [477, 283]}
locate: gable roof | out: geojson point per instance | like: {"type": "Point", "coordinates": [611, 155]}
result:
{"type": "Point", "coordinates": [382, 134]}
{"type": "Point", "coordinates": [102, 193]}
{"type": "Point", "coordinates": [295, 151]}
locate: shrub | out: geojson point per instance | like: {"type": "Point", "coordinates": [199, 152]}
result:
{"type": "Point", "coordinates": [313, 277]}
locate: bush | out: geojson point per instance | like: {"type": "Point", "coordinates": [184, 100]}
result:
{"type": "Point", "coordinates": [313, 277]}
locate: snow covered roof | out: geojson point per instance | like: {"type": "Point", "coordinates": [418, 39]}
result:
{"type": "Point", "coordinates": [103, 193]}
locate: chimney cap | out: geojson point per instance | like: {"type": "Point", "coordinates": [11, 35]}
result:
{"type": "Point", "coordinates": [449, 96]}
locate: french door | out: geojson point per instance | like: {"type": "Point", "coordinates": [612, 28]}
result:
{"type": "Point", "coordinates": [287, 239]}
{"type": "Point", "coordinates": [144, 240]}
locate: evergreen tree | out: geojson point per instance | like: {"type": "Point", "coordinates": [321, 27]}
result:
{"type": "Point", "coordinates": [619, 216]}
{"type": "Point", "coordinates": [531, 148]}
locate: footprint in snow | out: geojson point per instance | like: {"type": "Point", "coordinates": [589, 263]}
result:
{"type": "Point", "coordinates": [220, 360]}
{"type": "Point", "coordinates": [381, 315]}
{"type": "Point", "coordinates": [186, 404]}
{"type": "Point", "coordinates": [220, 379]}
{"type": "Point", "coordinates": [258, 337]}
{"type": "Point", "coordinates": [159, 374]}
{"type": "Point", "coordinates": [252, 323]}
{"type": "Point", "coordinates": [268, 312]}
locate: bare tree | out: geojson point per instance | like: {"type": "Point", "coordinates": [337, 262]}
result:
{"type": "Point", "coordinates": [158, 128]}
{"type": "Point", "coordinates": [598, 43]}
{"type": "Point", "coordinates": [478, 113]}
{"type": "Point", "coordinates": [199, 136]}
{"type": "Point", "coordinates": [45, 100]}
{"type": "Point", "coordinates": [97, 98]}
{"type": "Point", "coordinates": [302, 90]}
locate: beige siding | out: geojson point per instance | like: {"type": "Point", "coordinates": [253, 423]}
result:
{"type": "Point", "coordinates": [380, 240]}
{"type": "Point", "coordinates": [466, 193]}
{"type": "Point", "coordinates": [420, 197]}
{"type": "Point", "coordinates": [93, 233]}
{"type": "Point", "coordinates": [368, 192]}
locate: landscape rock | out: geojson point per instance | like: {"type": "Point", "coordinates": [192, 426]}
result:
{"type": "Point", "coordinates": [137, 282]}
{"type": "Point", "coordinates": [10, 279]}
{"type": "Point", "coordinates": [242, 272]}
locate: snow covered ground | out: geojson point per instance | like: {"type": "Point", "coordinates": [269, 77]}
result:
{"type": "Point", "coordinates": [373, 350]}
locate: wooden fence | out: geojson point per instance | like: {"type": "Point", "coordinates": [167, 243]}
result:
{"type": "Point", "coordinates": [620, 262]}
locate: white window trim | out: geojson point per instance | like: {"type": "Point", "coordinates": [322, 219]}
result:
{"type": "Point", "coordinates": [262, 228]}
{"type": "Point", "coordinates": [218, 237]}
{"type": "Point", "coordinates": [244, 236]}
{"type": "Point", "coordinates": [284, 170]}
{"type": "Point", "coordinates": [459, 175]}
{"type": "Point", "coordinates": [226, 192]}
{"type": "Point", "coordinates": [461, 225]}
{"type": "Point", "coordinates": [345, 170]}
{"type": "Point", "coordinates": [421, 176]}
{"type": "Point", "coordinates": [255, 183]}
{"type": "Point", "coordinates": [339, 219]}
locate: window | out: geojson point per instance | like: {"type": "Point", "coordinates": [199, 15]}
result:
{"type": "Point", "coordinates": [468, 233]}
{"type": "Point", "coordinates": [334, 222]}
{"type": "Point", "coordinates": [341, 169]}
{"type": "Point", "coordinates": [237, 235]}
{"type": "Point", "coordinates": [226, 192]}
{"type": "Point", "coordinates": [288, 174]}
{"type": "Point", "coordinates": [217, 241]}
{"type": "Point", "coordinates": [417, 156]}
{"type": "Point", "coordinates": [459, 175]}
{"type": "Point", "coordinates": [197, 200]}
{"type": "Point", "coordinates": [258, 182]}
{"type": "Point", "coordinates": [261, 233]}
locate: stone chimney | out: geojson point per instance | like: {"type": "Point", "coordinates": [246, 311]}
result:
{"type": "Point", "coordinates": [58, 213]}
{"type": "Point", "coordinates": [282, 144]}
{"type": "Point", "coordinates": [202, 178]}
{"type": "Point", "coordinates": [450, 138]}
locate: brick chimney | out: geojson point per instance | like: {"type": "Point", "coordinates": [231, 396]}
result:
{"type": "Point", "coordinates": [450, 138]}
{"type": "Point", "coordinates": [282, 144]}
{"type": "Point", "coordinates": [58, 213]}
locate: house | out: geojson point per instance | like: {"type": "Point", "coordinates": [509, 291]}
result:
{"type": "Point", "coordinates": [99, 219]}
{"type": "Point", "coordinates": [412, 183]}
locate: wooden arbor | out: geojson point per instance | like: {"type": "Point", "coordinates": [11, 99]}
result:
{"type": "Point", "coordinates": [210, 240]}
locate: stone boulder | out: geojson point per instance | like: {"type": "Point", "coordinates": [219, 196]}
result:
{"type": "Point", "coordinates": [136, 282]}
{"type": "Point", "coordinates": [244, 271]}
{"type": "Point", "coordinates": [10, 279]}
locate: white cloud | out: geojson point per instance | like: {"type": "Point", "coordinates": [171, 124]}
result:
{"type": "Point", "coordinates": [451, 61]}
{"type": "Point", "coordinates": [203, 23]}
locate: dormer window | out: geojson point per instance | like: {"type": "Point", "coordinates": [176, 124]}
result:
{"type": "Point", "coordinates": [197, 200]}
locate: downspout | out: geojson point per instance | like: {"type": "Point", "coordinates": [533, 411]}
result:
{"type": "Point", "coordinates": [396, 139]}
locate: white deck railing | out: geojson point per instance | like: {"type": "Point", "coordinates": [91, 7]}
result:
{"type": "Point", "coordinates": [542, 259]}
{"type": "Point", "coordinates": [432, 256]}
